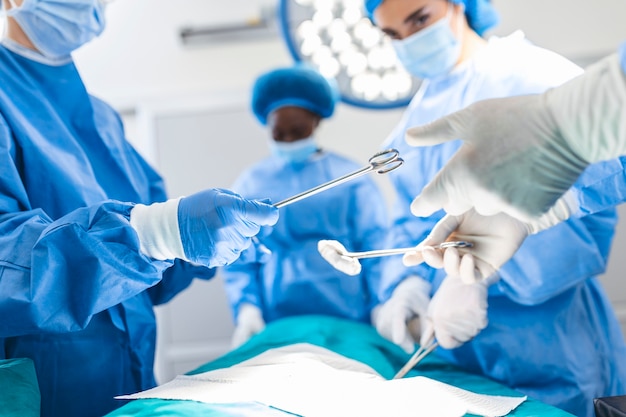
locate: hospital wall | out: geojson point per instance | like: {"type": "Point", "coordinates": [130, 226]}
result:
{"type": "Point", "coordinates": [186, 109]}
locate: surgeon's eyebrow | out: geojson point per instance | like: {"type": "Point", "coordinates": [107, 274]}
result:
{"type": "Point", "coordinates": [409, 19]}
{"type": "Point", "coordinates": [413, 16]}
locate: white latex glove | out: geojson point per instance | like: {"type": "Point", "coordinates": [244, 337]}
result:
{"type": "Point", "coordinates": [496, 239]}
{"type": "Point", "coordinates": [394, 318]}
{"type": "Point", "coordinates": [522, 153]}
{"type": "Point", "coordinates": [249, 322]}
{"type": "Point", "coordinates": [456, 314]}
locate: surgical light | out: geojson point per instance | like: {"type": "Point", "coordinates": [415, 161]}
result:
{"type": "Point", "coordinates": [337, 38]}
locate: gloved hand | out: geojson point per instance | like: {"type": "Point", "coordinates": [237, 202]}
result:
{"type": "Point", "coordinates": [249, 322]}
{"type": "Point", "coordinates": [456, 313]}
{"type": "Point", "coordinates": [208, 228]}
{"type": "Point", "coordinates": [408, 301]}
{"type": "Point", "coordinates": [522, 153]}
{"type": "Point", "coordinates": [496, 239]}
{"type": "Point", "coordinates": [257, 252]}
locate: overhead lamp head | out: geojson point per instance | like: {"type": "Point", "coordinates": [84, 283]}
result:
{"type": "Point", "coordinates": [338, 39]}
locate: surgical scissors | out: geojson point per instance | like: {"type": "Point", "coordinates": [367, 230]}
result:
{"type": "Point", "coordinates": [420, 354]}
{"type": "Point", "coordinates": [382, 162]}
{"type": "Point", "coordinates": [400, 251]}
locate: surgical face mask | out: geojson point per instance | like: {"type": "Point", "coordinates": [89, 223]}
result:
{"type": "Point", "coordinates": [58, 27]}
{"type": "Point", "coordinates": [298, 151]}
{"type": "Point", "coordinates": [431, 52]}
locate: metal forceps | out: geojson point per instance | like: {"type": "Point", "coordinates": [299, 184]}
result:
{"type": "Point", "coordinates": [420, 354]}
{"type": "Point", "coordinates": [381, 162]}
{"type": "Point", "coordinates": [401, 251]}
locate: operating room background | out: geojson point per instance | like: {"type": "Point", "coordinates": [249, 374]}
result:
{"type": "Point", "coordinates": [185, 106]}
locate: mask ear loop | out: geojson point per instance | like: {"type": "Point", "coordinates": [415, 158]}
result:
{"type": "Point", "coordinates": [13, 5]}
{"type": "Point", "coordinates": [4, 13]}
{"type": "Point", "coordinates": [458, 32]}
{"type": "Point", "coordinates": [11, 11]}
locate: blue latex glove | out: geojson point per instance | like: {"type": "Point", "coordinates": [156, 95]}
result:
{"type": "Point", "coordinates": [257, 252]}
{"type": "Point", "coordinates": [216, 225]}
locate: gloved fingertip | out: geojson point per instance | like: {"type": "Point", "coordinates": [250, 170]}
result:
{"type": "Point", "coordinates": [262, 214]}
{"type": "Point", "coordinates": [412, 258]}
{"type": "Point", "coordinates": [447, 342]}
{"type": "Point", "coordinates": [273, 216]}
{"type": "Point", "coordinates": [424, 206]}
{"type": "Point", "coordinates": [413, 135]}
{"type": "Point", "coordinates": [451, 262]}
{"type": "Point", "coordinates": [432, 257]}
{"type": "Point", "coordinates": [430, 134]}
{"type": "Point", "coordinates": [467, 270]}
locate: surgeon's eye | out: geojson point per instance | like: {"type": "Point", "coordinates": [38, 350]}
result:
{"type": "Point", "coordinates": [278, 136]}
{"type": "Point", "coordinates": [420, 20]}
{"type": "Point", "coordinates": [300, 133]}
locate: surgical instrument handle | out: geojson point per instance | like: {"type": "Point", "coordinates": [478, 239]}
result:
{"type": "Point", "coordinates": [400, 251]}
{"type": "Point", "coordinates": [420, 354]}
{"type": "Point", "coordinates": [382, 162]}
{"type": "Point", "coordinates": [323, 187]}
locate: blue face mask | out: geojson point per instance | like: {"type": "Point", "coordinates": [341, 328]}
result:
{"type": "Point", "coordinates": [58, 27]}
{"type": "Point", "coordinates": [298, 151]}
{"type": "Point", "coordinates": [431, 52]}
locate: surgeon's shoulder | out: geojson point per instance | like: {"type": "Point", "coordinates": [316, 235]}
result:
{"type": "Point", "coordinates": [526, 67]}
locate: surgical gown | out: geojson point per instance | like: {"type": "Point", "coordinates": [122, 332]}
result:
{"type": "Point", "coordinates": [296, 279]}
{"type": "Point", "coordinates": [552, 333]}
{"type": "Point", "coordinates": [76, 295]}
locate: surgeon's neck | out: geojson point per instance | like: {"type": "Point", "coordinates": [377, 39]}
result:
{"type": "Point", "coordinates": [17, 35]}
{"type": "Point", "coordinates": [472, 43]}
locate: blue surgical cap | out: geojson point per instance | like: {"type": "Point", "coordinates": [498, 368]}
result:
{"type": "Point", "coordinates": [480, 14]}
{"type": "Point", "coordinates": [297, 86]}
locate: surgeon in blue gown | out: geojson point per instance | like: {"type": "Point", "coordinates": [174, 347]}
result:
{"type": "Point", "coordinates": [548, 329]}
{"type": "Point", "coordinates": [89, 243]}
{"type": "Point", "coordinates": [295, 279]}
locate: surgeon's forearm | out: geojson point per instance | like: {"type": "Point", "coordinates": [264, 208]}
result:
{"type": "Point", "coordinates": [602, 186]}
{"type": "Point", "coordinates": [622, 56]}
{"type": "Point", "coordinates": [590, 110]}
{"type": "Point", "coordinates": [57, 274]}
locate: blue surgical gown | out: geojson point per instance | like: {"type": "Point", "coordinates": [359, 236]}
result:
{"type": "Point", "coordinates": [296, 279]}
{"type": "Point", "coordinates": [76, 295]}
{"type": "Point", "coordinates": [552, 333]}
